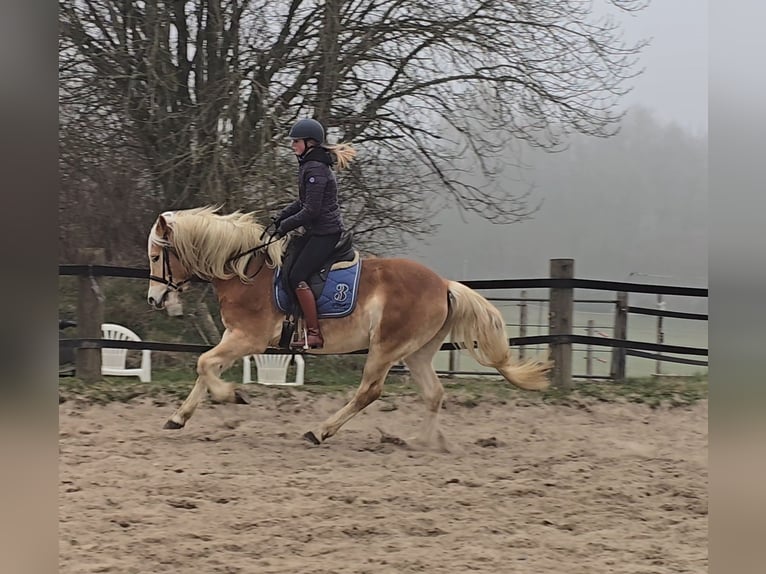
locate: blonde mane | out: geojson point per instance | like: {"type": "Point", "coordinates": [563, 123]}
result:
{"type": "Point", "coordinates": [205, 241]}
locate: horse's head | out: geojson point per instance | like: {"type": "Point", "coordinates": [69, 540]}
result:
{"type": "Point", "coordinates": [167, 276]}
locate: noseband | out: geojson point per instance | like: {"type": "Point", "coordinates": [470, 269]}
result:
{"type": "Point", "coordinates": [167, 273]}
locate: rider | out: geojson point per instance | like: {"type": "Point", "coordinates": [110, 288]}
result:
{"type": "Point", "coordinates": [318, 211]}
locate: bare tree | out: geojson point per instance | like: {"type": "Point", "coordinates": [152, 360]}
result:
{"type": "Point", "coordinates": [204, 92]}
{"type": "Point", "coordinates": [106, 193]}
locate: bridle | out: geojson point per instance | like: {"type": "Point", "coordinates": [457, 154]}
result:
{"type": "Point", "coordinates": [167, 272]}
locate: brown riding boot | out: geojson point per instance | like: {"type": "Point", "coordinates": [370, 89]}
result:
{"type": "Point", "coordinates": [309, 307]}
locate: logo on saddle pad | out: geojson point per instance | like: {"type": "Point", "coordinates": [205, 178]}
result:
{"type": "Point", "coordinates": [336, 295]}
{"type": "Point", "coordinates": [341, 291]}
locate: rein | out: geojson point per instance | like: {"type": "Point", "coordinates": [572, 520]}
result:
{"type": "Point", "coordinates": [253, 250]}
{"type": "Point", "coordinates": [167, 273]}
{"type": "Point", "coordinates": [273, 239]}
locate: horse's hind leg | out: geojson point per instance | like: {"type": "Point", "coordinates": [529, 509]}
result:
{"type": "Point", "coordinates": [374, 375]}
{"type": "Point", "coordinates": [422, 372]}
{"type": "Point", "coordinates": [209, 366]}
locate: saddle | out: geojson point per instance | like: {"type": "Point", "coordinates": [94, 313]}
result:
{"type": "Point", "coordinates": [334, 286]}
{"type": "Point", "coordinates": [343, 255]}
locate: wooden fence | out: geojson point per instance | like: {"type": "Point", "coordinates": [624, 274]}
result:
{"type": "Point", "coordinates": [561, 286]}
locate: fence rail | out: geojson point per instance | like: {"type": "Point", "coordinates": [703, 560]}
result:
{"type": "Point", "coordinates": [97, 343]}
{"type": "Point", "coordinates": [481, 284]}
{"type": "Point", "coordinates": [664, 313]}
{"type": "Point", "coordinates": [560, 338]}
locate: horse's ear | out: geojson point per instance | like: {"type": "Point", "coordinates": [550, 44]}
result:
{"type": "Point", "coordinates": [162, 225]}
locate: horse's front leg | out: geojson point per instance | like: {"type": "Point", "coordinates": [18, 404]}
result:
{"type": "Point", "coordinates": [210, 365]}
{"type": "Point", "coordinates": [187, 408]}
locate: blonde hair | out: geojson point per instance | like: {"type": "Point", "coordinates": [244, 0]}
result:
{"type": "Point", "coordinates": [205, 241]}
{"type": "Point", "coordinates": [344, 153]}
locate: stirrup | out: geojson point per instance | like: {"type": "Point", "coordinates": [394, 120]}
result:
{"type": "Point", "coordinates": [296, 343]}
{"type": "Point", "coordinates": [304, 344]}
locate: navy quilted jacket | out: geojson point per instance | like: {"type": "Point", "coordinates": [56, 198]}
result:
{"type": "Point", "coordinates": [316, 208]}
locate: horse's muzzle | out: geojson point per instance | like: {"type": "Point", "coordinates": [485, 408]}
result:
{"type": "Point", "coordinates": [158, 305]}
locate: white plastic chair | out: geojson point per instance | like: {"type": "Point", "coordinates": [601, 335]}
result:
{"type": "Point", "coordinates": [113, 361]}
{"type": "Point", "coordinates": [272, 369]}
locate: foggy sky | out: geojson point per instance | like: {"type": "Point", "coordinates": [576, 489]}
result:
{"type": "Point", "coordinates": [673, 89]}
{"type": "Point", "coordinates": [675, 82]}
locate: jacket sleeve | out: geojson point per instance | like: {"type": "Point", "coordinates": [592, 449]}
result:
{"type": "Point", "coordinates": [291, 209]}
{"type": "Point", "coordinates": [315, 184]}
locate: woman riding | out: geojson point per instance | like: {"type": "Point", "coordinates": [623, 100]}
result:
{"type": "Point", "coordinates": [317, 211]}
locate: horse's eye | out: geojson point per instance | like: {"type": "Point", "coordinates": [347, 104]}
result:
{"type": "Point", "coordinates": [155, 258]}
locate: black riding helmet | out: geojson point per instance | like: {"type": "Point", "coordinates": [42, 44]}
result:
{"type": "Point", "coordinates": [307, 129]}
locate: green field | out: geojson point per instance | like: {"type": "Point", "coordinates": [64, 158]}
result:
{"type": "Point", "coordinates": [340, 375]}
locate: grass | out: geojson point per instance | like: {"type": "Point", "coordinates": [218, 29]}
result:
{"type": "Point", "coordinates": [341, 374]}
{"type": "Point", "coordinates": [167, 385]}
{"type": "Point", "coordinates": [651, 391]}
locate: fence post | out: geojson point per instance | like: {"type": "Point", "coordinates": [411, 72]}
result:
{"type": "Point", "coordinates": [660, 332]}
{"type": "Point", "coordinates": [90, 315]}
{"type": "Point", "coordinates": [589, 351]}
{"type": "Point", "coordinates": [560, 323]}
{"type": "Point", "coordinates": [522, 322]}
{"type": "Point", "coordinates": [617, 372]}
{"type": "Point", "coordinates": [454, 360]}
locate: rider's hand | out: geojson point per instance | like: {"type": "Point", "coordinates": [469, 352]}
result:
{"type": "Point", "coordinates": [273, 225]}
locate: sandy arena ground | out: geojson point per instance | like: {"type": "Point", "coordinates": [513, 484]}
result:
{"type": "Point", "coordinates": [599, 488]}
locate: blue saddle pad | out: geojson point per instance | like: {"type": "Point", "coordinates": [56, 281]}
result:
{"type": "Point", "coordinates": [338, 297]}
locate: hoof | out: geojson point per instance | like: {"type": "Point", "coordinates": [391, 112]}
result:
{"type": "Point", "coordinates": [241, 398]}
{"type": "Point", "coordinates": [311, 437]}
{"type": "Point", "coordinates": [385, 437]}
{"type": "Point", "coordinates": [173, 425]}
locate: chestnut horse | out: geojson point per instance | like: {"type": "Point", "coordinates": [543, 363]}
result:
{"type": "Point", "coordinates": [404, 312]}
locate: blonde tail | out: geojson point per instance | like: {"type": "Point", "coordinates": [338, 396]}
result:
{"type": "Point", "coordinates": [478, 326]}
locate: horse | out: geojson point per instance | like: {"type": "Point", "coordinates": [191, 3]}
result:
{"type": "Point", "coordinates": [403, 313]}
